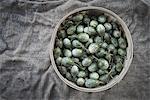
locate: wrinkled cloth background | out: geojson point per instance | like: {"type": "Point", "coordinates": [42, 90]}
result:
{"type": "Point", "coordinates": [26, 72]}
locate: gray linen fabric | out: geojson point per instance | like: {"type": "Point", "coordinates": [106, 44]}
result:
{"type": "Point", "coordinates": [26, 72]}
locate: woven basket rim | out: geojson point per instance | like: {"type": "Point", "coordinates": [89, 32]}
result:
{"type": "Point", "coordinates": [127, 62]}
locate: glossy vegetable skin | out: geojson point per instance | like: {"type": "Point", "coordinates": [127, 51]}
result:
{"type": "Point", "coordinates": [90, 50]}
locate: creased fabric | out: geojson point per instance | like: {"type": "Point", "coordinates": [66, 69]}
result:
{"type": "Point", "coordinates": [26, 72]}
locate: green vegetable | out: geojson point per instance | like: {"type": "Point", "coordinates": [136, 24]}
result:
{"type": "Point", "coordinates": [100, 29]}
{"type": "Point", "coordinates": [118, 59]}
{"type": "Point", "coordinates": [103, 64]}
{"type": "Point", "coordinates": [62, 34]}
{"type": "Point", "coordinates": [104, 45]}
{"type": "Point", "coordinates": [108, 26]}
{"type": "Point", "coordinates": [116, 34]}
{"type": "Point", "coordinates": [86, 20]}
{"type": "Point", "coordinates": [91, 83]}
{"type": "Point", "coordinates": [93, 23]}
{"type": "Point", "coordinates": [119, 67]}
{"type": "Point", "coordinates": [90, 30]}
{"type": "Point", "coordinates": [92, 67]}
{"type": "Point", "coordinates": [80, 81]}
{"type": "Point", "coordinates": [83, 37]}
{"type": "Point", "coordinates": [105, 78]}
{"type": "Point", "coordinates": [93, 48]}
{"type": "Point", "coordinates": [114, 25]}
{"type": "Point", "coordinates": [113, 71]}
{"type": "Point", "coordinates": [58, 60]}
{"type": "Point", "coordinates": [121, 52]}
{"type": "Point", "coordinates": [74, 70]}
{"type": "Point", "coordinates": [57, 52]}
{"type": "Point", "coordinates": [89, 42]}
{"type": "Point", "coordinates": [76, 44]}
{"type": "Point", "coordinates": [71, 30]}
{"type": "Point", "coordinates": [102, 19]}
{"type": "Point", "coordinates": [59, 43]}
{"type": "Point", "coordinates": [94, 75]}
{"type": "Point", "coordinates": [86, 62]}
{"type": "Point", "coordinates": [107, 37]}
{"type": "Point", "coordinates": [111, 48]}
{"type": "Point", "coordinates": [72, 37]}
{"type": "Point", "coordinates": [80, 29]}
{"type": "Point", "coordinates": [98, 40]}
{"type": "Point", "coordinates": [63, 70]}
{"type": "Point", "coordinates": [90, 50]}
{"type": "Point", "coordinates": [102, 72]}
{"type": "Point", "coordinates": [68, 23]}
{"type": "Point", "coordinates": [68, 76]}
{"type": "Point", "coordinates": [101, 53]}
{"type": "Point", "coordinates": [67, 53]}
{"type": "Point", "coordinates": [114, 42]}
{"type": "Point", "coordinates": [82, 74]}
{"type": "Point", "coordinates": [108, 56]}
{"type": "Point", "coordinates": [78, 17]}
{"type": "Point", "coordinates": [67, 43]}
{"type": "Point", "coordinates": [77, 52]}
{"type": "Point", "coordinates": [66, 61]}
{"type": "Point", "coordinates": [122, 43]}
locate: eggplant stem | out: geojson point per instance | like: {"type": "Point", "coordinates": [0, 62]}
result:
{"type": "Point", "coordinates": [95, 57]}
{"type": "Point", "coordinates": [111, 76]}
{"type": "Point", "coordinates": [78, 23]}
{"type": "Point", "coordinates": [79, 65]}
{"type": "Point", "coordinates": [101, 82]}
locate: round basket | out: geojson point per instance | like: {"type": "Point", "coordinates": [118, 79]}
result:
{"type": "Point", "coordinates": [128, 59]}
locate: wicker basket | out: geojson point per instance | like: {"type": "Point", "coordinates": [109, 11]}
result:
{"type": "Point", "coordinates": [127, 62]}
